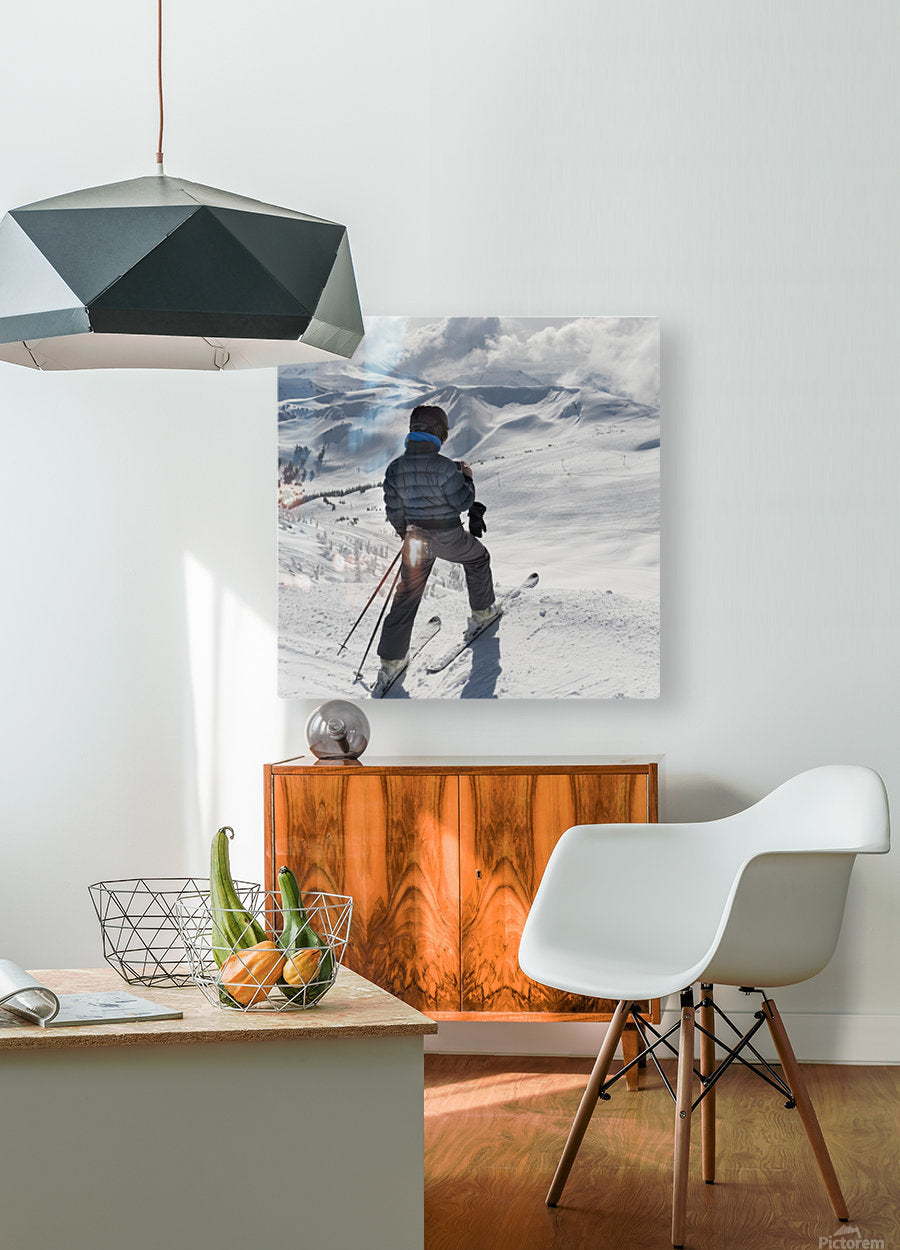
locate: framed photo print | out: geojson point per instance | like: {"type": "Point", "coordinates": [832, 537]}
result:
{"type": "Point", "coordinates": [469, 509]}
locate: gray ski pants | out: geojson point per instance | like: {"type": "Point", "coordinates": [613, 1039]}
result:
{"type": "Point", "coordinates": [420, 550]}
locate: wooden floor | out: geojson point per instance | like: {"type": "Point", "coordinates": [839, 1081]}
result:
{"type": "Point", "coordinates": [494, 1128]}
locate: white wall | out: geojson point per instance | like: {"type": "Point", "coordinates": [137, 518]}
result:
{"type": "Point", "coordinates": [732, 170]}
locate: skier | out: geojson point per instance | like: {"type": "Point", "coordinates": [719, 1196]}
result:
{"type": "Point", "coordinates": [424, 494]}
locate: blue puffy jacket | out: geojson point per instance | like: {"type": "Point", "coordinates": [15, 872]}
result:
{"type": "Point", "coordinates": [422, 487]}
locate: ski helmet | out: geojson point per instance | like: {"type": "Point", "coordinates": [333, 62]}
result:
{"type": "Point", "coordinates": [429, 419]}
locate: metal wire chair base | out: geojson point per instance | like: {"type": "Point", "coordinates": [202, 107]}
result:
{"type": "Point", "coordinates": [733, 1054]}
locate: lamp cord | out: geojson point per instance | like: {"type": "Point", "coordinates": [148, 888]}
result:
{"type": "Point", "coordinates": [159, 82]}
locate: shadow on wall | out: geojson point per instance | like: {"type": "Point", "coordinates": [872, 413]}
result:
{"type": "Point", "coordinates": [693, 797]}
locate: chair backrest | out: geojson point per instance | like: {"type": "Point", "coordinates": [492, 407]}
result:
{"type": "Point", "coordinates": [796, 849]}
{"type": "Point", "coordinates": [837, 807]}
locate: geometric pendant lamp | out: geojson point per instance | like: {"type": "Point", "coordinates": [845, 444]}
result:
{"type": "Point", "coordinates": [160, 273]}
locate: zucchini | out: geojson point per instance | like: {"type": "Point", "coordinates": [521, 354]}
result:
{"type": "Point", "coordinates": [298, 935]}
{"type": "Point", "coordinates": [233, 927]}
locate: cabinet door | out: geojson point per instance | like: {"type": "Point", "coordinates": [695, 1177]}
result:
{"type": "Point", "coordinates": [509, 824]}
{"type": "Point", "coordinates": [391, 841]}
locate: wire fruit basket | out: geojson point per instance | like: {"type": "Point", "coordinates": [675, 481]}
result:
{"type": "Point", "coordinates": [238, 970]}
{"type": "Point", "coordinates": [140, 929]}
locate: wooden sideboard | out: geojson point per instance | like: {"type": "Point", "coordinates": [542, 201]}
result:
{"type": "Point", "coordinates": [443, 858]}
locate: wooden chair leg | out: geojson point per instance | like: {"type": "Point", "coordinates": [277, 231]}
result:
{"type": "Point", "coordinates": [588, 1102]}
{"type": "Point", "coordinates": [683, 1100]}
{"type": "Point", "coordinates": [630, 1046]}
{"type": "Point", "coordinates": [791, 1068]}
{"type": "Point", "coordinates": [707, 1019]}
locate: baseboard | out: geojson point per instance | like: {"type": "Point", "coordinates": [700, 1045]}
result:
{"type": "Point", "coordinates": [816, 1038]}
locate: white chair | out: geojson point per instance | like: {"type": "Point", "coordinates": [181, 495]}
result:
{"type": "Point", "coordinates": [756, 899]}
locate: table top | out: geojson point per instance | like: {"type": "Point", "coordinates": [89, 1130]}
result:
{"type": "Point", "coordinates": [353, 1007]}
{"type": "Point", "coordinates": [472, 763]}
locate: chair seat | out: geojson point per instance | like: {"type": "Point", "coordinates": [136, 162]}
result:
{"type": "Point", "coordinates": [617, 977]}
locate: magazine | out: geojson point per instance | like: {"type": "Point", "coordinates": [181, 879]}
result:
{"type": "Point", "coordinates": [26, 1000]}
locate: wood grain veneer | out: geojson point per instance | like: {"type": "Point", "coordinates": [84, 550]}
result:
{"type": "Point", "coordinates": [442, 858]}
{"type": "Point", "coordinates": [391, 841]}
{"type": "Point", "coordinates": [509, 824]}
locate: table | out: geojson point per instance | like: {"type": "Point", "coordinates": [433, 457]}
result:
{"type": "Point", "coordinates": [226, 1130]}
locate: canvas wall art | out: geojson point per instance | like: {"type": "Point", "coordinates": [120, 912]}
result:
{"type": "Point", "coordinates": [553, 429]}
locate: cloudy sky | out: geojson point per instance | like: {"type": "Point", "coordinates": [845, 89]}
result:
{"type": "Point", "coordinates": [621, 352]}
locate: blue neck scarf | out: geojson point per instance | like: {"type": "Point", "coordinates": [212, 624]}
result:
{"type": "Point", "coordinates": [419, 436]}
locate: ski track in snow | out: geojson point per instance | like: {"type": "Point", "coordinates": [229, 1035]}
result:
{"type": "Point", "coordinates": [560, 644]}
{"type": "Point", "coordinates": [575, 499]}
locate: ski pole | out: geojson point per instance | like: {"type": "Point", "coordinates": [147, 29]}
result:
{"type": "Point", "coordinates": [371, 597]}
{"type": "Point", "coordinates": [378, 622]}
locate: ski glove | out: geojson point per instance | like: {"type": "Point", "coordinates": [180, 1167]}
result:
{"type": "Point", "coordinates": [477, 525]}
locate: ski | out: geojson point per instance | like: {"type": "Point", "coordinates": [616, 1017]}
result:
{"type": "Point", "coordinates": [377, 690]}
{"type": "Point", "coordinates": [503, 602]}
